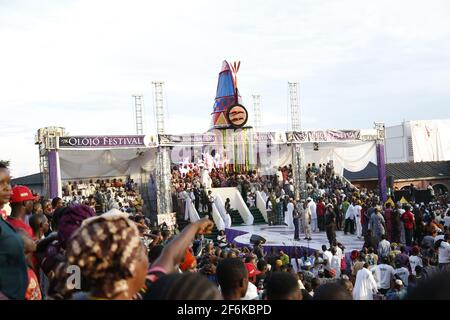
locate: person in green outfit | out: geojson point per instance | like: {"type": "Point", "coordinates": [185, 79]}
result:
{"type": "Point", "coordinates": [13, 267]}
{"type": "Point", "coordinates": [284, 258]}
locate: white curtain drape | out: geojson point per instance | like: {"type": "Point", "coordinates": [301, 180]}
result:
{"type": "Point", "coordinates": [112, 163]}
{"type": "Point", "coordinates": [351, 156]}
{"type": "Point", "coordinates": [431, 140]}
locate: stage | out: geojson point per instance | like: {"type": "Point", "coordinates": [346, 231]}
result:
{"type": "Point", "coordinates": [281, 237]}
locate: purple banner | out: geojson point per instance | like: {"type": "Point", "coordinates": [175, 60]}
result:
{"type": "Point", "coordinates": [324, 135]}
{"type": "Point", "coordinates": [106, 141]}
{"type": "Point", "coordinates": [53, 179]}
{"type": "Point", "coordinates": [381, 164]}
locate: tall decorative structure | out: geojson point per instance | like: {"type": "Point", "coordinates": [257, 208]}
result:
{"type": "Point", "coordinates": [228, 111]}
{"type": "Point", "coordinates": [47, 140]}
{"type": "Point", "coordinates": [257, 112]}
{"type": "Point", "coordinates": [139, 113]}
{"type": "Point", "coordinates": [163, 195]}
{"type": "Point", "coordinates": [295, 107]}
{"type": "Point", "coordinates": [298, 153]}
{"type": "Point", "coordinates": [158, 96]}
{"type": "Point", "coordinates": [381, 160]}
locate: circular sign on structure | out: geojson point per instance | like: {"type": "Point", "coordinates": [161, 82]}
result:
{"type": "Point", "coordinates": [237, 115]}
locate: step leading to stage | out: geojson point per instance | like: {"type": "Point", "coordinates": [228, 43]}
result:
{"type": "Point", "coordinates": [214, 233]}
{"type": "Point", "coordinates": [236, 219]}
{"type": "Point", "coordinates": [257, 215]}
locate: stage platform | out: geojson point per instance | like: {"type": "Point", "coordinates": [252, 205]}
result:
{"type": "Point", "coordinates": [282, 237]}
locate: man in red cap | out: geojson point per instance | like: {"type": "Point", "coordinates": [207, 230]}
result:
{"type": "Point", "coordinates": [21, 204]}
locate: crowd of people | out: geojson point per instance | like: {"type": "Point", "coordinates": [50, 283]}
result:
{"type": "Point", "coordinates": [70, 251]}
{"type": "Point", "coordinates": [104, 195]}
{"type": "Point", "coordinates": [191, 183]}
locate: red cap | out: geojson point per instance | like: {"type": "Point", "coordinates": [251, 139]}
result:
{"type": "Point", "coordinates": [251, 269]}
{"type": "Point", "coordinates": [21, 193]}
{"type": "Point", "coordinates": [188, 261]}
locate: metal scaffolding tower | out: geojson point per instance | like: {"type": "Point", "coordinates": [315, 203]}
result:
{"type": "Point", "coordinates": [298, 152]}
{"type": "Point", "coordinates": [139, 113]}
{"type": "Point", "coordinates": [295, 107]}
{"type": "Point", "coordinates": [158, 96]}
{"type": "Point", "coordinates": [257, 111]}
{"type": "Point", "coordinates": [163, 174]}
{"type": "Point", "coordinates": [46, 138]}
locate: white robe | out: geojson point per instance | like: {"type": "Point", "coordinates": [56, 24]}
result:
{"type": "Point", "coordinates": [365, 285]}
{"type": "Point", "coordinates": [336, 265]}
{"type": "Point", "coordinates": [289, 217]}
{"type": "Point", "coordinates": [350, 214]}
{"type": "Point", "coordinates": [206, 180]}
{"type": "Point", "coordinates": [312, 208]}
{"type": "Point", "coordinates": [187, 205]}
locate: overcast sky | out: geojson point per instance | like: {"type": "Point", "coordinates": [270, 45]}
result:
{"type": "Point", "coordinates": [76, 64]}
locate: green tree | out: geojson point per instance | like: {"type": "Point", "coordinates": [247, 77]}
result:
{"type": "Point", "coordinates": [5, 162]}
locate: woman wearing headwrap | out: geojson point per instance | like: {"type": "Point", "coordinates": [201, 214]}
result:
{"type": "Point", "coordinates": [51, 251]}
{"type": "Point", "coordinates": [111, 257]}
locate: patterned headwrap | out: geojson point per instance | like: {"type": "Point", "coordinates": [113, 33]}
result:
{"type": "Point", "coordinates": [106, 249]}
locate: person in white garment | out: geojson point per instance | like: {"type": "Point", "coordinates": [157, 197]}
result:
{"type": "Point", "coordinates": [206, 180]}
{"type": "Point", "coordinates": [349, 219]}
{"type": "Point", "coordinates": [339, 252]}
{"type": "Point", "coordinates": [289, 217]}
{"type": "Point", "coordinates": [415, 260]}
{"type": "Point", "coordinates": [384, 247]}
{"type": "Point", "coordinates": [365, 285]}
{"type": "Point", "coordinates": [192, 195]}
{"type": "Point", "coordinates": [401, 273]}
{"type": "Point", "coordinates": [385, 274]}
{"type": "Point", "coordinates": [312, 209]}
{"type": "Point", "coordinates": [326, 255]}
{"type": "Point", "coordinates": [82, 187]}
{"type": "Point", "coordinates": [335, 262]}
{"type": "Point", "coordinates": [187, 205]}
{"type": "Point", "coordinates": [357, 211]}
{"type": "Point", "coordinates": [401, 211]}
{"type": "Point", "coordinates": [444, 252]}
{"type": "Point", "coordinates": [192, 202]}
{"type": "Point", "coordinates": [306, 221]}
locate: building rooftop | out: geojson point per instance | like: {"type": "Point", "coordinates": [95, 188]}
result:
{"type": "Point", "coordinates": [32, 179]}
{"type": "Point", "coordinates": [403, 171]}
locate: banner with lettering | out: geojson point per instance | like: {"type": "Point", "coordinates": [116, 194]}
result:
{"type": "Point", "coordinates": [221, 137]}
{"type": "Point", "coordinates": [80, 142]}
{"type": "Point", "coordinates": [186, 139]}
{"type": "Point", "coordinates": [324, 136]}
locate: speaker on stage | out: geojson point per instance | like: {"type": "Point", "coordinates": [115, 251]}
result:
{"type": "Point", "coordinates": [255, 238]}
{"type": "Point", "coordinates": [390, 181]}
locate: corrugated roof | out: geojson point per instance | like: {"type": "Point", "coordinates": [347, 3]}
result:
{"type": "Point", "coordinates": [403, 171]}
{"type": "Point", "coordinates": [369, 173]}
{"type": "Point", "coordinates": [32, 179]}
{"type": "Point", "coordinates": [414, 170]}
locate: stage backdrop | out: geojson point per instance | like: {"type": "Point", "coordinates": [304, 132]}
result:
{"type": "Point", "coordinates": [106, 163]}
{"type": "Point", "coordinates": [353, 156]}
